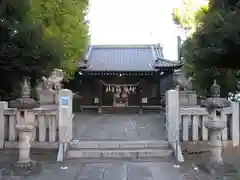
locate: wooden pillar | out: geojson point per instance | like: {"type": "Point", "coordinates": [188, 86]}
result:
{"type": "Point", "coordinates": [159, 89]}
{"type": "Point", "coordinates": [100, 98]}
{"type": "Point", "coordinates": [140, 97]}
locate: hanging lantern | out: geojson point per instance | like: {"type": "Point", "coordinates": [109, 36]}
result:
{"type": "Point", "coordinates": [106, 89]}
{"type": "Point", "coordinates": [113, 90]}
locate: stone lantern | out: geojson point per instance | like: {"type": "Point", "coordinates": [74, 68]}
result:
{"type": "Point", "coordinates": [215, 125]}
{"type": "Point", "coordinates": [25, 124]}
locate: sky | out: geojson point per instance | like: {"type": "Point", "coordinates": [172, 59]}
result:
{"type": "Point", "coordinates": [134, 22]}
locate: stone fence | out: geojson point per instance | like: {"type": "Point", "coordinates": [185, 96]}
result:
{"type": "Point", "coordinates": [192, 129]}
{"type": "Point", "coordinates": [188, 124]}
{"type": "Point", "coordinates": [52, 122]}
{"type": "Point", "coordinates": [45, 135]}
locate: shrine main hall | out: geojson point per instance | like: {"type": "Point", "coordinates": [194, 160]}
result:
{"type": "Point", "coordinates": [124, 76]}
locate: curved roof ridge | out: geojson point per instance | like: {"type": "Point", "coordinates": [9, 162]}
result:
{"type": "Point", "coordinates": [169, 61]}
{"type": "Point", "coordinates": [126, 57]}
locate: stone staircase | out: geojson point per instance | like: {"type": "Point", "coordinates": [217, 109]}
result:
{"type": "Point", "coordinates": [119, 149]}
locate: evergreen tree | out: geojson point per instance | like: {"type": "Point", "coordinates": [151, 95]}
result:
{"type": "Point", "coordinates": [211, 51]}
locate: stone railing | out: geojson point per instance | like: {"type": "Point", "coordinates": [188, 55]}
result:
{"type": "Point", "coordinates": [192, 129]}
{"type": "Point", "coordinates": [188, 124]}
{"type": "Point", "coordinates": [45, 135]}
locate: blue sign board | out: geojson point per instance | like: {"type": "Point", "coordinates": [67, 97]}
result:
{"type": "Point", "coordinates": [64, 101]}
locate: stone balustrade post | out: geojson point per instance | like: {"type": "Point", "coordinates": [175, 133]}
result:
{"type": "Point", "coordinates": [63, 123]}
{"type": "Point", "coordinates": [3, 106]}
{"type": "Point", "coordinates": [65, 114]}
{"type": "Point", "coordinates": [172, 114]}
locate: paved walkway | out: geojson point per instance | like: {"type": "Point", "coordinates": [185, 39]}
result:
{"type": "Point", "coordinates": [116, 170]}
{"type": "Point", "coordinates": [113, 170]}
{"type": "Point", "coordinates": [129, 127]}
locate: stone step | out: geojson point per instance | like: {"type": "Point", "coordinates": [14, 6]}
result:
{"type": "Point", "coordinates": [119, 153]}
{"type": "Point", "coordinates": [113, 110]}
{"type": "Point", "coordinates": [76, 144]}
{"type": "Point", "coordinates": [151, 110]}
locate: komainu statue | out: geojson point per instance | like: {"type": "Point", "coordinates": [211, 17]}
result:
{"type": "Point", "coordinates": [49, 87]}
{"type": "Point", "coordinates": [53, 82]}
{"type": "Point", "coordinates": [187, 96]}
{"type": "Point", "coordinates": [182, 82]}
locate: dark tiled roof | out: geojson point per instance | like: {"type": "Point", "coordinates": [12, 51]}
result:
{"type": "Point", "coordinates": [126, 58]}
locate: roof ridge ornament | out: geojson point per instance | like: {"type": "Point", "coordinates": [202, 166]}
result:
{"type": "Point", "coordinates": [88, 53]}
{"type": "Point", "coordinates": [154, 53]}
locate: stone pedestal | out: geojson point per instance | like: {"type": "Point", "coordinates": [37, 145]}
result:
{"type": "Point", "coordinates": [25, 125]}
{"type": "Point", "coordinates": [216, 166]}
{"type": "Point", "coordinates": [46, 97]}
{"type": "Point", "coordinates": [188, 98]}
{"type": "Point", "coordinates": [215, 128]}
{"type": "Point", "coordinates": [24, 146]}
{"type": "Point", "coordinates": [25, 165]}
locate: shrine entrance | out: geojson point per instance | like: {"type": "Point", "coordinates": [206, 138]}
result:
{"type": "Point", "coordinates": [121, 93]}
{"type": "Point", "coordinates": [120, 99]}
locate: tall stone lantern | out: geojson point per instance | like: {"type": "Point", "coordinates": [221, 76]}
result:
{"type": "Point", "coordinates": [215, 125]}
{"type": "Point", "coordinates": [25, 124]}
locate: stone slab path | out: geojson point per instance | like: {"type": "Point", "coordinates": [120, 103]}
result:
{"type": "Point", "coordinates": [118, 170]}
{"type": "Point", "coordinates": [129, 127]}
{"type": "Point", "coordinates": [154, 169]}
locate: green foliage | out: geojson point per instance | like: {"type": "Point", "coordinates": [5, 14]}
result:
{"type": "Point", "coordinates": [23, 50]}
{"type": "Point", "coordinates": [37, 36]}
{"type": "Point", "coordinates": [65, 22]}
{"type": "Point", "coordinates": [189, 15]}
{"type": "Point", "coordinates": [212, 50]}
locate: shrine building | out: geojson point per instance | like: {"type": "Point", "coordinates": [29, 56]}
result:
{"type": "Point", "coordinates": [124, 76]}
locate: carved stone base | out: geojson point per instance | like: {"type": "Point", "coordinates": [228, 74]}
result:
{"type": "Point", "coordinates": [188, 98]}
{"type": "Point", "coordinates": [22, 169]}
